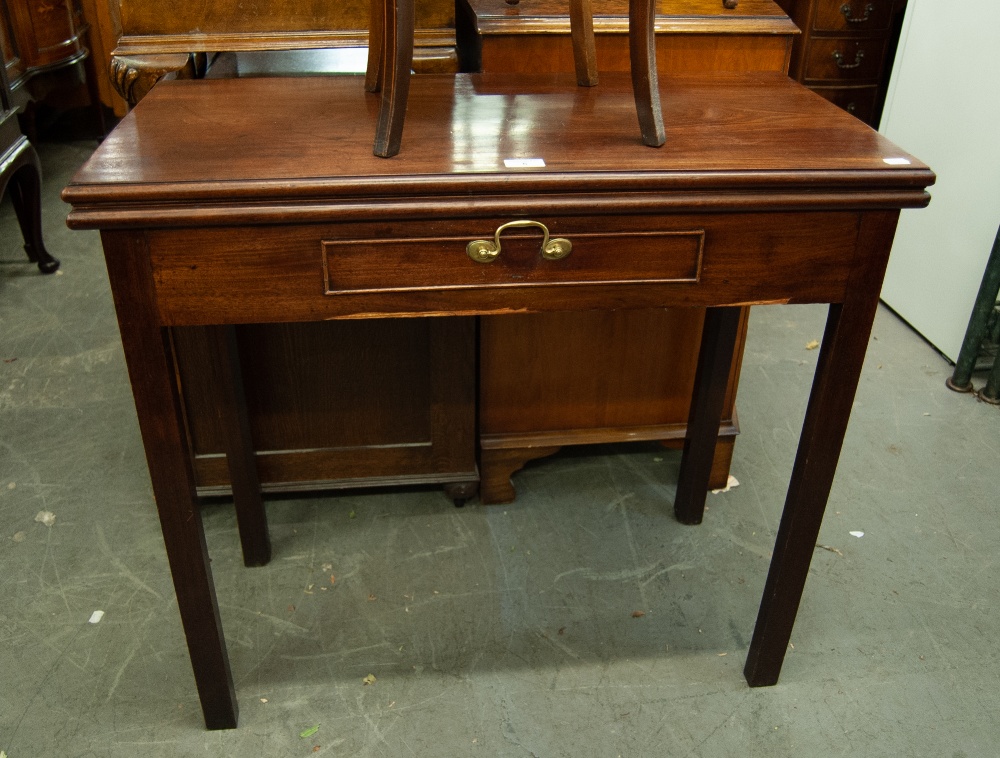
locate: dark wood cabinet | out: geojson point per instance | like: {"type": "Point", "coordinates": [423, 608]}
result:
{"type": "Point", "coordinates": [46, 53]}
{"type": "Point", "coordinates": [40, 37]}
{"type": "Point", "coordinates": [846, 49]}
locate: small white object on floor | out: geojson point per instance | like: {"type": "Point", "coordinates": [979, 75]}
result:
{"type": "Point", "coordinates": [45, 517]}
{"type": "Point", "coordinates": [730, 483]}
{"type": "Point", "coordinates": [95, 617]}
{"type": "Point", "coordinates": [857, 534]}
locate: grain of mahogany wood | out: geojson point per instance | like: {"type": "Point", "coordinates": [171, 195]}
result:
{"type": "Point", "coordinates": [721, 132]}
{"type": "Point", "coordinates": [672, 15]}
{"type": "Point", "coordinates": [146, 18]}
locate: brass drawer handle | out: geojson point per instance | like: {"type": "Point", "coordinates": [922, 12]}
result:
{"type": "Point", "coordinates": [847, 11]}
{"type": "Point", "coordinates": [839, 58]}
{"type": "Point", "coordinates": [486, 251]}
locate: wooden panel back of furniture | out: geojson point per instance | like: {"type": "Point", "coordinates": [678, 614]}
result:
{"type": "Point", "coordinates": [342, 404]}
{"type": "Point", "coordinates": [281, 19]}
{"type": "Point", "coordinates": [692, 36]}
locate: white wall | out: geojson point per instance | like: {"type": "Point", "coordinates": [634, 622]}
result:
{"type": "Point", "coordinates": [943, 106]}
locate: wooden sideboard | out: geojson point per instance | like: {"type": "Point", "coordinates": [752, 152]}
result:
{"type": "Point", "coordinates": [846, 50]}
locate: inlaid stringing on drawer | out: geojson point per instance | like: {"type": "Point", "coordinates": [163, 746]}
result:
{"type": "Point", "coordinates": [440, 263]}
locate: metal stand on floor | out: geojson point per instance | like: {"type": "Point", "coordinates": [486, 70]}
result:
{"type": "Point", "coordinates": [986, 302]}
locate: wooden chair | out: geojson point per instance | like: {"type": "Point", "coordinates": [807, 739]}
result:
{"type": "Point", "coordinates": [390, 55]}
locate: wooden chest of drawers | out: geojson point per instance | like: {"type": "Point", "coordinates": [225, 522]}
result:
{"type": "Point", "coordinates": [846, 49]}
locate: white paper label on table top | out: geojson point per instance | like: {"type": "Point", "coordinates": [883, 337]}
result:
{"type": "Point", "coordinates": [524, 162]}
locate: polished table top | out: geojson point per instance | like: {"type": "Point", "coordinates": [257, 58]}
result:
{"type": "Point", "coordinates": [256, 139]}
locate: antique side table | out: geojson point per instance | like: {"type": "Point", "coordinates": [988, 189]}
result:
{"type": "Point", "coordinates": [517, 195]}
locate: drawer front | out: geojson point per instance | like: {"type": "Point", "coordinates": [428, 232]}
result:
{"type": "Point", "coordinates": [858, 101]}
{"type": "Point", "coordinates": [519, 260]}
{"type": "Point", "coordinates": [852, 15]}
{"type": "Point", "coordinates": [844, 59]}
{"type": "Point", "coordinates": [361, 270]}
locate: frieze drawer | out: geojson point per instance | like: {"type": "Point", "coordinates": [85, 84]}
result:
{"type": "Point", "coordinates": [314, 272]}
{"type": "Point", "coordinates": [519, 253]}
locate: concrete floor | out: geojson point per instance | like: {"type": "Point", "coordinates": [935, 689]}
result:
{"type": "Point", "coordinates": [496, 631]}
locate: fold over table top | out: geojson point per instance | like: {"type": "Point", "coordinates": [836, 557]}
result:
{"type": "Point", "coordinates": [303, 146]}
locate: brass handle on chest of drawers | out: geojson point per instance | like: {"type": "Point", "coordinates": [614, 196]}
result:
{"type": "Point", "coordinates": [847, 11]}
{"type": "Point", "coordinates": [486, 251]}
{"type": "Point", "coordinates": [839, 58]}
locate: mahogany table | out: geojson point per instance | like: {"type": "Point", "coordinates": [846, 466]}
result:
{"type": "Point", "coordinates": [238, 201]}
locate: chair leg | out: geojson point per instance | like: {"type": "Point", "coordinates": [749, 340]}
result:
{"type": "Point", "coordinates": [376, 46]}
{"type": "Point", "coordinates": [398, 44]}
{"type": "Point", "coordinates": [581, 24]}
{"type": "Point", "coordinates": [645, 84]}
{"type": "Point", "coordinates": [26, 196]}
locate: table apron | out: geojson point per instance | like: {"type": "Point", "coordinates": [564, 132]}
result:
{"type": "Point", "coordinates": [311, 272]}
